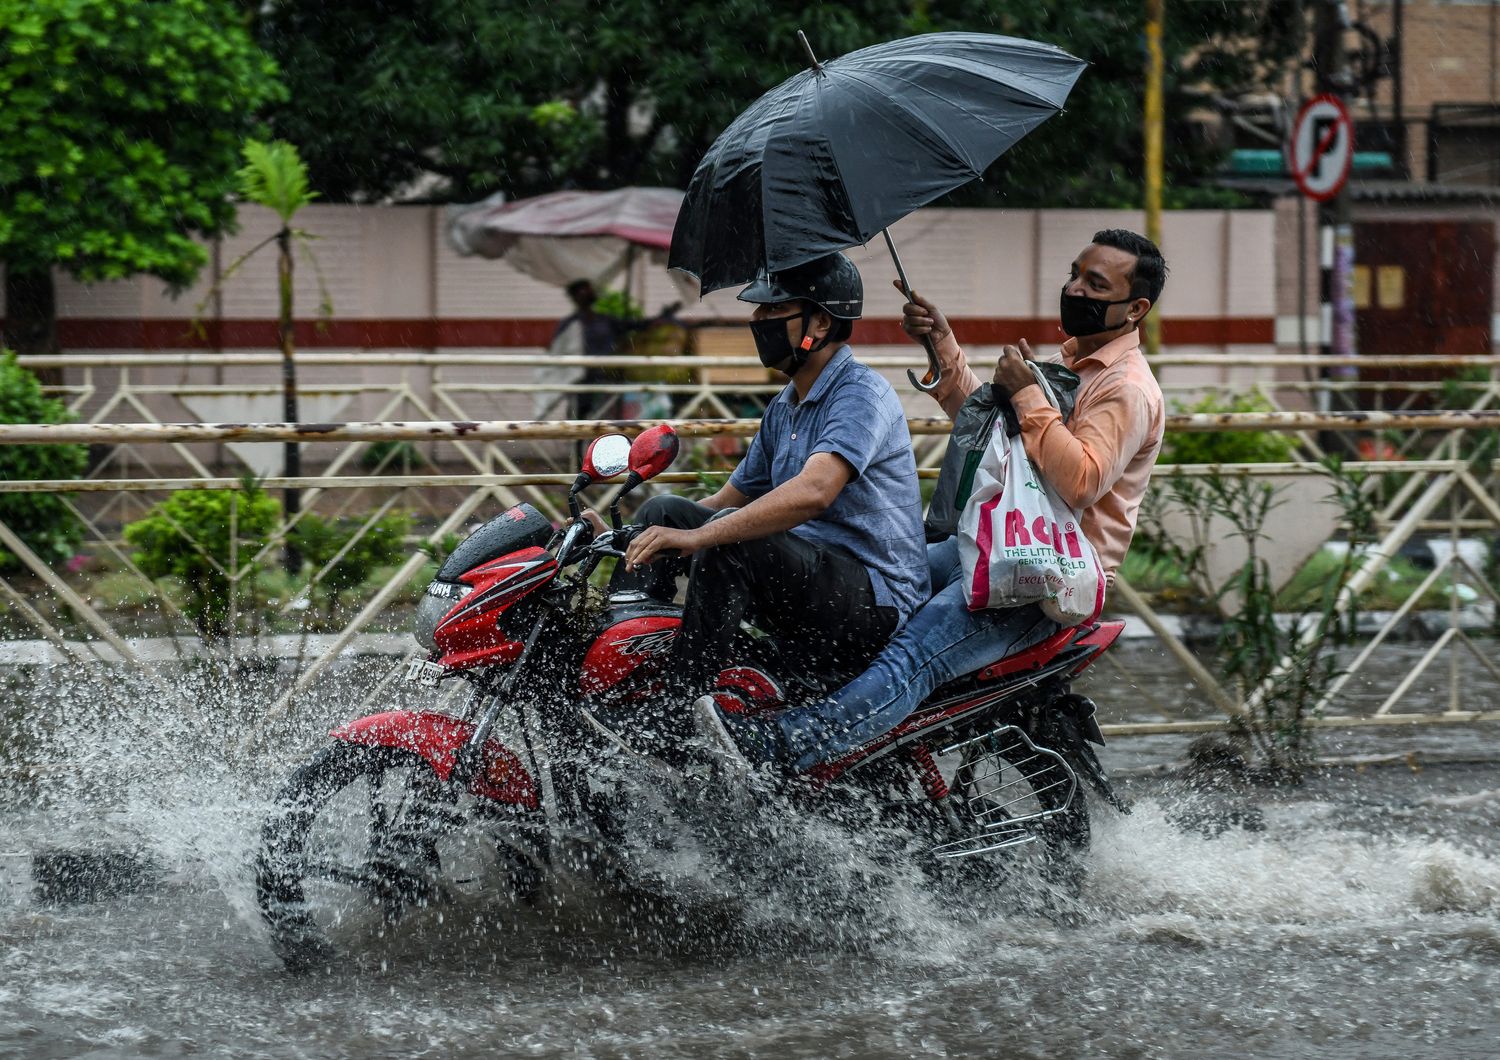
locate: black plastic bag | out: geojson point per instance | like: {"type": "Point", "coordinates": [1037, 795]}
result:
{"type": "Point", "coordinates": [972, 427]}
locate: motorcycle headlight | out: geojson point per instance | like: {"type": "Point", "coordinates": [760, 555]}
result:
{"type": "Point", "coordinates": [437, 601]}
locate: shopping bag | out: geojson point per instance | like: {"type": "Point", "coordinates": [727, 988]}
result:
{"type": "Point", "coordinates": [972, 427]}
{"type": "Point", "coordinates": [1020, 544]}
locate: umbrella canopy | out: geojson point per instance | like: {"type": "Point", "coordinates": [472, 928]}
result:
{"type": "Point", "coordinates": [568, 235]}
{"type": "Point", "coordinates": [834, 154]}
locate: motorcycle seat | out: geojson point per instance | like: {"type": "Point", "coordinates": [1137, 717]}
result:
{"type": "Point", "coordinates": [964, 694]}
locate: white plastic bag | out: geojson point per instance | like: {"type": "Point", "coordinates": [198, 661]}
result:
{"type": "Point", "coordinates": [1020, 544]}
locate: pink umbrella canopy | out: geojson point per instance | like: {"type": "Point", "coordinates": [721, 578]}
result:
{"type": "Point", "coordinates": [566, 235]}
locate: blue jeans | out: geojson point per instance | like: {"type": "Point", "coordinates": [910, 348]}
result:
{"type": "Point", "coordinates": [942, 641]}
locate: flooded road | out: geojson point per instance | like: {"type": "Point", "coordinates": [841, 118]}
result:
{"type": "Point", "coordinates": [1363, 920]}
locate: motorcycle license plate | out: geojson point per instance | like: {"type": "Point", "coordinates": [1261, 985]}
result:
{"type": "Point", "coordinates": [424, 673]}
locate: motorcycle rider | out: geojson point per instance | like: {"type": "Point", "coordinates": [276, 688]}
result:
{"type": "Point", "coordinates": [1098, 462]}
{"type": "Point", "coordinates": [817, 536]}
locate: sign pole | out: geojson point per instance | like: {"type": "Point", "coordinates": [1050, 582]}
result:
{"type": "Point", "coordinates": [1337, 235]}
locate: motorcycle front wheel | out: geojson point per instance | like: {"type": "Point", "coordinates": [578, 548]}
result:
{"type": "Point", "coordinates": [362, 838]}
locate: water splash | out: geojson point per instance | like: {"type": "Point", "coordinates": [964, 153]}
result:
{"type": "Point", "coordinates": [771, 932]}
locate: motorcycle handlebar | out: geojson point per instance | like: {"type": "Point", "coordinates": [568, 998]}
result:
{"type": "Point", "coordinates": [615, 542]}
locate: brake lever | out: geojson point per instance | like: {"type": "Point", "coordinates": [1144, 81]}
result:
{"type": "Point", "coordinates": [606, 543]}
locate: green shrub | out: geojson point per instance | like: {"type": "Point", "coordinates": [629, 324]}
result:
{"type": "Point", "coordinates": [1228, 447]}
{"type": "Point", "coordinates": [1153, 570]}
{"type": "Point", "coordinates": [320, 540]}
{"type": "Point", "coordinates": [441, 550]}
{"type": "Point", "coordinates": [1464, 387]}
{"type": "Point", "coordinates": [1286, 668]}
{"type": "Point", "coordinates": [1391, 588]}
{"type": "Point", "coordinates": [187, 537]}
{"type": "Point", "coordinates": [42, 520]}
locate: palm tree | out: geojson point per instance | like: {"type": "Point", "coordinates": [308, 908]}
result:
{"type": "Point", "coordinates": [275, 177]}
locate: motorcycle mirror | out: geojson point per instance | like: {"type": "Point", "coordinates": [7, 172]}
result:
{"type": "Point", "coordinates": [607, 456]}
{"type": "Point", "coordinates": [653, 451]}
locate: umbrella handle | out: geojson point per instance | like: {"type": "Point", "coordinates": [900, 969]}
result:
{"type": "Point", "coordinates": [934, 370]}
{"type": "Point", "coordinates": [929, 382]}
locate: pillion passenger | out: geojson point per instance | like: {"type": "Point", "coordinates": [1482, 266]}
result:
{"type": "Point", "coordinates": [1099, 462]}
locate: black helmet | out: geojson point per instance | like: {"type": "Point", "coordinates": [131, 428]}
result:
{"type": "Point", "coordinates": [831, 283]}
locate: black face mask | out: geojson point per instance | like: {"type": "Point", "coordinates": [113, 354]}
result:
{"type": "Point", "coordinates": [774, 348]}
{"type": "Point", "coordinates": [1085, 316]}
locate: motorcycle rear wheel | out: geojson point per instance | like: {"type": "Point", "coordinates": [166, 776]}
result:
{"type": "Point", "coordinates": [362, 837]}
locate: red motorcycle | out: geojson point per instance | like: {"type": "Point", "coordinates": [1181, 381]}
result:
{"type": "Point", "coordinates": [406, 810]}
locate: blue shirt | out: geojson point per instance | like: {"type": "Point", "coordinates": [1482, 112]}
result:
{"type": "Point", "coordinates": [852, 411]}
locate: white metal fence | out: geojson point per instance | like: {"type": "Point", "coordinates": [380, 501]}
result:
{"type": "Point", "coordinates": [1446, 493]}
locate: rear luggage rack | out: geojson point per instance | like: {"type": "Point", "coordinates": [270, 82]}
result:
{"type": "Point", "coordinates": [1002, 773]}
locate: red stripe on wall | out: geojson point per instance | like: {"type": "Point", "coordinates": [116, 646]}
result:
{"type": "Point", "coordinates": [427, 334]}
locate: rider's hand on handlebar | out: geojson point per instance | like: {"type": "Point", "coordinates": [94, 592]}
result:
{"type": "Point", "coordinates": [920, 317]}
{"type": "Point", "coordinates": [658, 542]}
{"type": "Point", "coordinates": [595, 522]}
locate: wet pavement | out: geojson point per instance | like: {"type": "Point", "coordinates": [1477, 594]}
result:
{"type": "Point", "coordinates": [1361, 920]}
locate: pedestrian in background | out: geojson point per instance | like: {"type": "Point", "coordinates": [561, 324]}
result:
{"type": "Point", "coordinates": [594, 334]}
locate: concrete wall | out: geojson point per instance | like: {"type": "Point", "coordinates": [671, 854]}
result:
{"type": "Point", "coordinates": [396, 284]}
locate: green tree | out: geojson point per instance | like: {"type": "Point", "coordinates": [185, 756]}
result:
{"type": "Point", "coordinates": [528, 97]}
{"type": "Point", "coordinates": [275, 177]}
{"type": "Point", "coordinates": [1092, 153]}
{"type": "Point", "coordinates": [119, 134]}
{"type": "Point", "coordinates": [383, 91]}
{"type": "Point", "coordinates": [41, 520]}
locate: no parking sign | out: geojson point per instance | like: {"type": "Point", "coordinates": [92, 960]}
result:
{"type": "Point", "coordinates": [1321, 148]}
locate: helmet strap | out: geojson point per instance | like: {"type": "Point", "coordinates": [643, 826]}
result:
{"type": "Point", "coordinates": [808, 346]}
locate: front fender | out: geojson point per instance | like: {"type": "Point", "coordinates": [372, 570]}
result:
{"type": "Point", "coordinates": [437, 738]}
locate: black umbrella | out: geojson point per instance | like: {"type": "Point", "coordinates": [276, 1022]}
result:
{"type": "Point", "coordinates": [835, 154]}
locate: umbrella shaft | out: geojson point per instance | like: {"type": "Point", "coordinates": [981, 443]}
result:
{"type": "Point", "coordinates": [896, 259]}
{"type": "Point", "coordinates": [934, 375]}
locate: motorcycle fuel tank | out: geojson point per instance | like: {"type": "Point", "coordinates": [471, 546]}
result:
{"type": "Point", "coordinates": [469, 634]}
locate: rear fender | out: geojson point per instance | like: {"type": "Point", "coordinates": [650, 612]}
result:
{"type": "Point", "coordinates": [437, 738]}
{"type": "Point", "coordinates": [1099, 639]}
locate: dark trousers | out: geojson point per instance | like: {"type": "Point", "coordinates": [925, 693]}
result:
{"type": "Point", "coordinates": [815, 600]}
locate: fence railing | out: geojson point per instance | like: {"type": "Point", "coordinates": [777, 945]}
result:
{"type": "Point", "coordinates": [172, 386]}
{"type": "Point", "coordinates": [1449, 493]}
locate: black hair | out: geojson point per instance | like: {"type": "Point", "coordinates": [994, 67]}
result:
{"type": "Point", "coordinates": [1150, 273]}
{"type": "Point", "coordinates": [576, 286]}
{"type": "Point", "coordinates": [839, 333]}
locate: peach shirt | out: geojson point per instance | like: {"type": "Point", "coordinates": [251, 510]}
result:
{"type": "Point", "coordinates": [1100, 463]}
